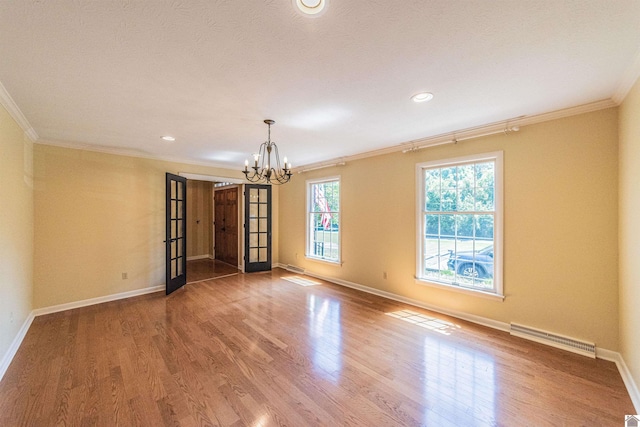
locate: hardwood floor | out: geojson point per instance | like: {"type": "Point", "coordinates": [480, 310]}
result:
{"type": "Point", "coordinates": [274, 349]}
{"type": "Point", "coordinates": [204, 269]}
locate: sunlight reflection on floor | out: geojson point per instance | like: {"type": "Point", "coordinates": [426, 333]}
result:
{"type": "Point", "coordinates": [431, 323]}
{"type": "Point", "coordinates": [301, 281]}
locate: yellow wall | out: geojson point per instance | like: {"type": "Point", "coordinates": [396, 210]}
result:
{"type": "Point", "coordinates": [629, 232]}
{"type": "Point", "coordinates": [560, 246]}
{"type": "Point", "coordinates": [16, 229]}
{"type": "Point", "coordinates": [199, 218]}
{"type": "Point", "coordinates": [96, 216]}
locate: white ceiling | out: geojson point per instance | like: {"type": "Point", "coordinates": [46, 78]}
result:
{"type": "Point", "coordinates": [121, 73]}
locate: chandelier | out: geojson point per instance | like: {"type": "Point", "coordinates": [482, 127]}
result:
{"type": "Point", "coordinates": [269, 172]}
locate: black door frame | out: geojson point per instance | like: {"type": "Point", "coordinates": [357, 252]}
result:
{"type": "Point", "coordinates": [250, 267]}
{"type": "Point", "coordinates": [176, 237]}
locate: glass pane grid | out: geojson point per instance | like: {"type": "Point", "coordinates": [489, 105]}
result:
{"type": "Point", "coordinates": [324, 220]}
{"type": "Point", "coordinates": [458, 225]}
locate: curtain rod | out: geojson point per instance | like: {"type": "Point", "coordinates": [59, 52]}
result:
{"type": "Point", "coordinates": [454, 140]}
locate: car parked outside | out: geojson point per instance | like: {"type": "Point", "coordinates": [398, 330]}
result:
{"type": "Point", "coordinates": [477, 264]}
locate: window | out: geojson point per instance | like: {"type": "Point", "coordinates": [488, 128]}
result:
{"type": "Point", "coordinates": [323, 219]}
{"type": "Point", "coordinates": [460, 223]}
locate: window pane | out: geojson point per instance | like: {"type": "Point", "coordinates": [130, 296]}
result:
{"type": "Point", "coordinates": [464, 224]}
{"type": "Point", "coordinates": [447, 226]}
{"type": "Point", "coordinates": [432, 189]}
{"type": "Point", "coordinates": [448, 199]}
{"type": "Point", "coordinates": [432, 254]}
{"type": "Point", "coordinates": [334, 222]}
{"type": "Point", "coordinates": [448, 185]}
{"type": "Point", "coordinates": [333, 197]}
{"type": "Point", "coordinates": [484, 227]}
{"type": "Point", "coordinates": [465, 188]}
{"type": "Point", "coordinates": [433, 225]}
{"type": "Point", "coordinates": [253, 210]}
{"type": "Point", "coordinates": [485, 186]}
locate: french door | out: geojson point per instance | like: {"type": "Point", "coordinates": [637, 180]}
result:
{"type": "Point", "coordinates": [176, 232]}
{"type": "Point", "coordinates": [257, 220]}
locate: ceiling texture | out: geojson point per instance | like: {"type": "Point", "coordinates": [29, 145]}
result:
{"type": "Point", "coordinates": [119, 74]}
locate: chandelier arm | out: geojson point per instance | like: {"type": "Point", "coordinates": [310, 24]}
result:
{"type": "Point", "coordinates": [275, 148]}
{"type": "Point", "coordinates": [263, 153]}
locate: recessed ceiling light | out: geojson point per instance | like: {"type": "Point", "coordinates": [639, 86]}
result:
{"type": "Point", "coordinates": [422, 97]}
{"type": "Point", "coordinates": [310, 7]}
{"type": "Point", "coordinates": [168, 138]}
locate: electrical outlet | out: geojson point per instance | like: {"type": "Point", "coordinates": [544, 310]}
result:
{"type": "Point", "coordinates": [125, 276]}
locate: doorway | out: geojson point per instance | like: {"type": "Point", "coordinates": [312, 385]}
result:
{"type": "Point", "coordinates": [226, 225]}
{"type": "Point", "coordinates": [210, 253]}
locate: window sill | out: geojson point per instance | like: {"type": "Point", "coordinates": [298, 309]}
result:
{"type": "Point", "coordinates": [466, 291]}
{"type": "Point", "coordinates": [324, 260]}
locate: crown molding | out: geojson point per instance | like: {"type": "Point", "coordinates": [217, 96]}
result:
{"type": "Point", "coordinates": [10, 105]}
{"type": "Point", "coordinates": [628, 80]}
{"type": "Point", "coordinates": [119, 151]}
{"type": "Point", "coordinates": [468, 133]}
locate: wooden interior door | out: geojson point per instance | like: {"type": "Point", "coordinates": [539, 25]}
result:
{"type": "Point", "coordinates": [226, 225]}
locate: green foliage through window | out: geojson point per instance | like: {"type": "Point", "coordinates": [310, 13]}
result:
{"type": "Point", "coordinates": [459, 224]}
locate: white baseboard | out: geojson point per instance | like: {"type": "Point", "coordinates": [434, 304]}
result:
{"type": "Point", "coordinates": [629, 382]}
{"type": "Point", "coordinates": [98, 300]}
{"type": "Point", "coordinates": [601, 353]}
{"type": "Point", "coordinates": [15, 345]}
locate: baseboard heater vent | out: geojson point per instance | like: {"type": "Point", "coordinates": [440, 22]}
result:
{"type": "Point", "coordinates": [295, 269]}
{"type": "Point", "coordinates": [554, 340]}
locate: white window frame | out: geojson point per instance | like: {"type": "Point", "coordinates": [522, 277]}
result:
{"type": "Point", "coordinates": [497, 158]}
{"type": "Point", "coordinates": [309, 229]}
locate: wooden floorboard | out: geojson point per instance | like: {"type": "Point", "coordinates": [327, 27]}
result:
{"type": "Point", "coordinates": [205, 269]}
{"type": "Point", "coordinates": [260, 350]}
